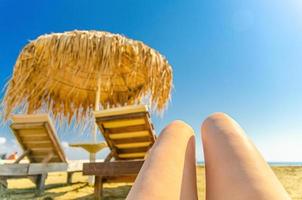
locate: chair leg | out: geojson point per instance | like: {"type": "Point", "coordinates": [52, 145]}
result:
{"type": "Point", "coordinates": [69, 178]}
{"type": "Point", "coordinates": [98, 187]}
{"type": "Point", "coordinates": [3, 183]}
{"type": "Point", "coordinates": [40, 182]}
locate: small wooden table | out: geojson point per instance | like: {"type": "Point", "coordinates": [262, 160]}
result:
{"type": "Point", "coordinates": [92, 149]}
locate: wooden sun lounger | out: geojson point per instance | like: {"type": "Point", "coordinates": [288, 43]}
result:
{"type": "Point", "coordinates": [129, 134]}
{"type": "Point", "coordinates": [37, 137]}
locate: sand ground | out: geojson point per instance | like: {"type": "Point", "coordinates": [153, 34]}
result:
{"type": "Point", "coordinates": [291, 178]}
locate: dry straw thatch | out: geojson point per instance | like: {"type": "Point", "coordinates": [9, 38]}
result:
{"type": "Point", "coordinates": [60, 73]}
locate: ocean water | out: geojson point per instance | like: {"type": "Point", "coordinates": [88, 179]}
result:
{"type": "Point", "coordinates": [271, 163]}
{"type": "Point", "coordinates": [285, 163]}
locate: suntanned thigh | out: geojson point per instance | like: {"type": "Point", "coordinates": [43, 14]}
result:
{"type": "Point", "coordinates": [234, 167]}
{"type": "Point", "coordinates": [169, 171]}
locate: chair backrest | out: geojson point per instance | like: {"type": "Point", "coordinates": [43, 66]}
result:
{"type": "Point", "coordinates": [128, 131]}
{"type": "Point", "coordinates": [37, 134]}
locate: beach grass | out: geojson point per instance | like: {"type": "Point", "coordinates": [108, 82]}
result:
{"type": "Point", "coordinates": [290, 177]}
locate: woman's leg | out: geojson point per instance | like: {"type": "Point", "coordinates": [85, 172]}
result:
{"type": "Point", "coordinates": [234, 167]}
{"type": "Point", "coordinates": [169, 171]}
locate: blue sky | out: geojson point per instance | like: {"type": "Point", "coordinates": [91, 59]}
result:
{"type": "Point", "coordinates": [233, 56]}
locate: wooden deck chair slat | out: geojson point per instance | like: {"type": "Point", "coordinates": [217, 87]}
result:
{"type": "Point", "coordinates": [129, 134]}
{"type": "Point", "coordinates": [33, 131]}
{"type": "Point", "coordinates": [123, 123]}
{"type": "Point", "coordinates": [122, 117]}
{"type": "Point", "coordinates": [30, 138]}
{"type": "Point", "coordinates": [132, 155]}
{"type": "Point", "coordinates": [131, 140]}
{"type": "Point", "coordinates": [133, 145]}
{"type": "Point", "coordinates": [133, 150]}
{"type": "Point", "coordinates": [40, 152]}
{"type": "Point", "coordinates": [122, 129]}
{"type": "Point", "coordinates": [27, 125]}
{"type": "Point", "coordinates": [120, 111]}
{"type": "Point", "coordinates": [38, 144]}
{"type": "Point", "coordinates": [142, 131]}
{"type": "Point", "coordinates": [34, 137]}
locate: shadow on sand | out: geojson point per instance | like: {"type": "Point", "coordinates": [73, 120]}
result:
{"type": "Point", "coordinates": [115, 193]}
{"type": "Point", "coordinates": [109, 193]}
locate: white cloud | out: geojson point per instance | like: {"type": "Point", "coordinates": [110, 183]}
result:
{"type": "Point", "coordinates": [65, 144]}
{"type": "Point", "coordinates": [2, 140]}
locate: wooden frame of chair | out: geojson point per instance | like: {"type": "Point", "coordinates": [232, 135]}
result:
{"type": "Point", "coordinates": [37, 137]}
{"type": "Point", "coordinates": [129, 134]}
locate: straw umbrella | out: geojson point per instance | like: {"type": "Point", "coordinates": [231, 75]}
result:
{"type": "Point", "coordinates": [71, 74]}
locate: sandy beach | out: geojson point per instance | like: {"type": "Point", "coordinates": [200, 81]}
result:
{"type": "Point", "coordinates": [290, 176]}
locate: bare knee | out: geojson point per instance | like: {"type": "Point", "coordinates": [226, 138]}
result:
{"type": "Point", "coordinates": [214, 119]}
{"type": "Point", "coordinates": [178, 129]}
{"type": "Point", "coordinates": [216, 123]}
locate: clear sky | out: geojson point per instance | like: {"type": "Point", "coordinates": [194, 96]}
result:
{"type": "Point", "coordinates": [239, 57]}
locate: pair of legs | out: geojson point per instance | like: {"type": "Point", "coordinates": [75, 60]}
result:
{"type": "Point", "coordinates": [234, 167]}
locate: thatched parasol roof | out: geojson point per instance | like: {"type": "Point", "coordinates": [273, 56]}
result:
{"type": "Point", "coordinates": [61, 73]}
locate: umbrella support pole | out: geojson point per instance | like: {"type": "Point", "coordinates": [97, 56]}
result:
{"type": "Point", "coordinates": [97, 107]}
{"type": "Point", "coordinates": [92, 158]}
